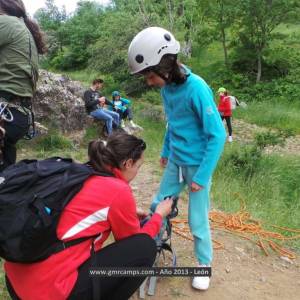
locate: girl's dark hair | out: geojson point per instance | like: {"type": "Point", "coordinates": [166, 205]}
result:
{"type": "Point", "coordinates": [16, 8]}
{"type": "Point", "coordinates": [170, 66]}
{"type": "Point", "coordinates": [119, 148]}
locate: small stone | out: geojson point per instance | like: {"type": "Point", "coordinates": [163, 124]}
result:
{"type": "Point", "coordinates": [263, 279]}
{"type": "Point", "coordinates": [285, 266]}
{"type": "Point", "coordinates": [227, 270]}
{"type": "Point", "coordinates": [241, 250]}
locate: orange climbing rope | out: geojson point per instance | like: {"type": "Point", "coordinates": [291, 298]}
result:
{"type": "Point", "coordinates": [241, 224]}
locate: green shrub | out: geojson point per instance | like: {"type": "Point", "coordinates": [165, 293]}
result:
{"type": "Point", "coordinates": [244, 161]}
{"type": "Point", "coordinates": [91, 133]}
{"type": "Point", "coordinates": [265, 139]}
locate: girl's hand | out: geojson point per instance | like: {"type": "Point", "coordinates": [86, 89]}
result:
{"type": "Point", "coordinates": [196, 187]}
{"type": "Point", "coordinates": [163, 162]}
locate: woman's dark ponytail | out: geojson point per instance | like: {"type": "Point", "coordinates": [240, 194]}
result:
{"type": "Point", "coordinates": [37, 34]}
{"type": "Point", "coordinates": [119, 148]}
{"type": "Point", "coordinates": [100, 156]}
{"type": "Point", "coordinates": [16, 8]}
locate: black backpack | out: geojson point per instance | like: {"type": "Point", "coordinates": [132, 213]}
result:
{"type": "Point", "coordinates": [32, 196]}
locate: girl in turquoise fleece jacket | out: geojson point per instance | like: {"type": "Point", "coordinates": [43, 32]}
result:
{"type": "Point", "coordinates": [195, 135]}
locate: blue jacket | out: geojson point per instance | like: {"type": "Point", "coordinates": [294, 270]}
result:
{"type": "Point", "coordinates": [195, 134]}
{"type": "Point", "coordinates": [121, 104]}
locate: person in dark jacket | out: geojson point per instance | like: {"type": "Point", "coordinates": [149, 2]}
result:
{"type": "Point", "coordinates": [20, 43]}
{"type": "Point", "coordinates": [94, 104]}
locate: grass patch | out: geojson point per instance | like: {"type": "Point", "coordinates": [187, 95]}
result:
{"type": "Point", "coordinates": [207, 61]}
{"type": "Point", "coordinates": [153, 133]}
{"type": "Point", "coordinates": [53, 141]}
{"type": "Point", "coordinates": [271, 191]}
{"type": "Point", "coordinates": [282, 116]}
{"type": "Point", "coordinates": [85, 76]}
{"type": "Point", "coordinates": [91, 133]}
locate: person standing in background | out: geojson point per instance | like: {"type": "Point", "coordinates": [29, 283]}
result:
{"type": "Point", "coordinates": [225, 110]}
{"type": "Point", "coordinates": [21, 41]}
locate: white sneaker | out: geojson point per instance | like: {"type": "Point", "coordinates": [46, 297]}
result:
{"type": "Point", "coordinates": [201, 282]}
{"type": "Point", "coordinates": [135, 126]}
{"type": "Point", "coordinates": [132, 124]}
{"type": "Point", "coordinates": [230, 139]}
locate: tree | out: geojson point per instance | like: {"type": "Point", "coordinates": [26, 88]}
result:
{"type": "Point", "coordinates": [258, 19]}
{"type": "Point", "coordinates": [51, 19]}
{"type": "Point", "coordinates": [225, 12]}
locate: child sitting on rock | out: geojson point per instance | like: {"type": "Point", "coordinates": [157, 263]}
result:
{"type": "Point", "coordinates": [122, 107]}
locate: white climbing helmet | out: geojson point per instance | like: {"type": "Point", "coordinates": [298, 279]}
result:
{"type": "Point", "coordinates": [149, 46]}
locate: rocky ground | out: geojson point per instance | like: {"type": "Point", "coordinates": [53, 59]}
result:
{"type": "Point", "coordinates": [240, 270]}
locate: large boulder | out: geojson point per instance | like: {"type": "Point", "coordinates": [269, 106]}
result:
{"type": "Point", "coordinates": [58, 102]}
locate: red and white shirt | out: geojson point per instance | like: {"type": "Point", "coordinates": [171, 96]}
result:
{"type": "Point", "coordinates": [103, 205]}
{"type": "Point", "coordinates": [224, 106]}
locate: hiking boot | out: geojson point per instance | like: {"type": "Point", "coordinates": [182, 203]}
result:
{"type": "Point", "coordinates": [201, 282]}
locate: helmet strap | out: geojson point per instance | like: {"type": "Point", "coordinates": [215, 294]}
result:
{"type": "Point", "coordinates": [162, 76]}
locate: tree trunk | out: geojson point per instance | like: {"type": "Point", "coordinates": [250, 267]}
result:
{"type": "Point", "coordinates": [171, 17]}
{"type": "Point", "coordinates": [224, 46]}
{"type": "Point", "coordinates": [259, 70]}
{"type": "Point", "coordinates": [187, 48]}
{"type": "Point", "coordinates": [143, 12]}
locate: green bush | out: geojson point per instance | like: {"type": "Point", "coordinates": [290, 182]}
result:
{"type": "Point", "coordinates": [91, 133]}
{"type": "Point", "coordinates": [265, 139]}
{"type": "Point", "coordinates": [244, 161]}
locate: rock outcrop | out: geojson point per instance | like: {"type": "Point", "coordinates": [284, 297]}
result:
{"type": "Point", "coordinates": [58, 102]}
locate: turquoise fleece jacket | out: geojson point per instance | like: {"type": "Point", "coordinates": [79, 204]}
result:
{"type": "Point", "coordinates": [195, 134]}
{"type": "Point", "coordinates": [120, 104]}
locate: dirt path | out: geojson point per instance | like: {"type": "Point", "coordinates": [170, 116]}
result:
{"type": "Point", "coordinates": [244, 132]}
{"type": "Point", "coordinates": [240, 271]}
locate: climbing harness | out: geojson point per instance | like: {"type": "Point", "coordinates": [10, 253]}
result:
{"type": "Point", "coordinates": [163, 245]}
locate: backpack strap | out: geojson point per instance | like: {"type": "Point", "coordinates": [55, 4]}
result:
{"type": "Point", "coordinates": [60, 246]}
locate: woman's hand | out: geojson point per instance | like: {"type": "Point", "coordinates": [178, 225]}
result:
{"type": "Point", "coordinates": [164, 208]}
{"type": "Point", "coordinates": [196, 187]}
{"type": "Point", "coordinates": [163, 162]}
{"type": "Point", "coordinates": [141, 213]}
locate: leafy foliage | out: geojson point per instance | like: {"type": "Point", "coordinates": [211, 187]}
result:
{"type": "Point", "coordinates": [254, 46]}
